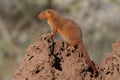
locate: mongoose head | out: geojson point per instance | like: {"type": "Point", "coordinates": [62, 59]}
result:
{"type": "Point", "coordinates": [46, 14]}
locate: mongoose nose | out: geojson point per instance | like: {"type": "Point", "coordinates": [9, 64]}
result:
{"type": "Point", "coordinates": [40, 16]}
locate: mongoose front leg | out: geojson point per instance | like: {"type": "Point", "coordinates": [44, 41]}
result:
{"type": "Point", "coordinates": [53, 31]}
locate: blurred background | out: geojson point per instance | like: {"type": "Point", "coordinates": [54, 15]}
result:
{"type": "Point", "coordinates": [20, 27]}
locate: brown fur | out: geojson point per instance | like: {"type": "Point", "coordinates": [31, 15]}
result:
{"type": "Point", "coordinates": [68, 29]}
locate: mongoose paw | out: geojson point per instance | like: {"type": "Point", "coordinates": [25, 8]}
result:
{"type": "Point", "coordinates": [71, 48]}
{"type": "Point", "coordinates": [49, 34]}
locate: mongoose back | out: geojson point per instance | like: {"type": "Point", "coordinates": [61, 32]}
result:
{"type": "Point", "coordinates": [69, 30]}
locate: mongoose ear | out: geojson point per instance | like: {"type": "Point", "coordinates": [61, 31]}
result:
{"type": "Point", "coordinates": [50, 11]}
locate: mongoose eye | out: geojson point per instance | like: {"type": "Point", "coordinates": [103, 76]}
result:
{"type": "Point", "coordinates": [48, 11]}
